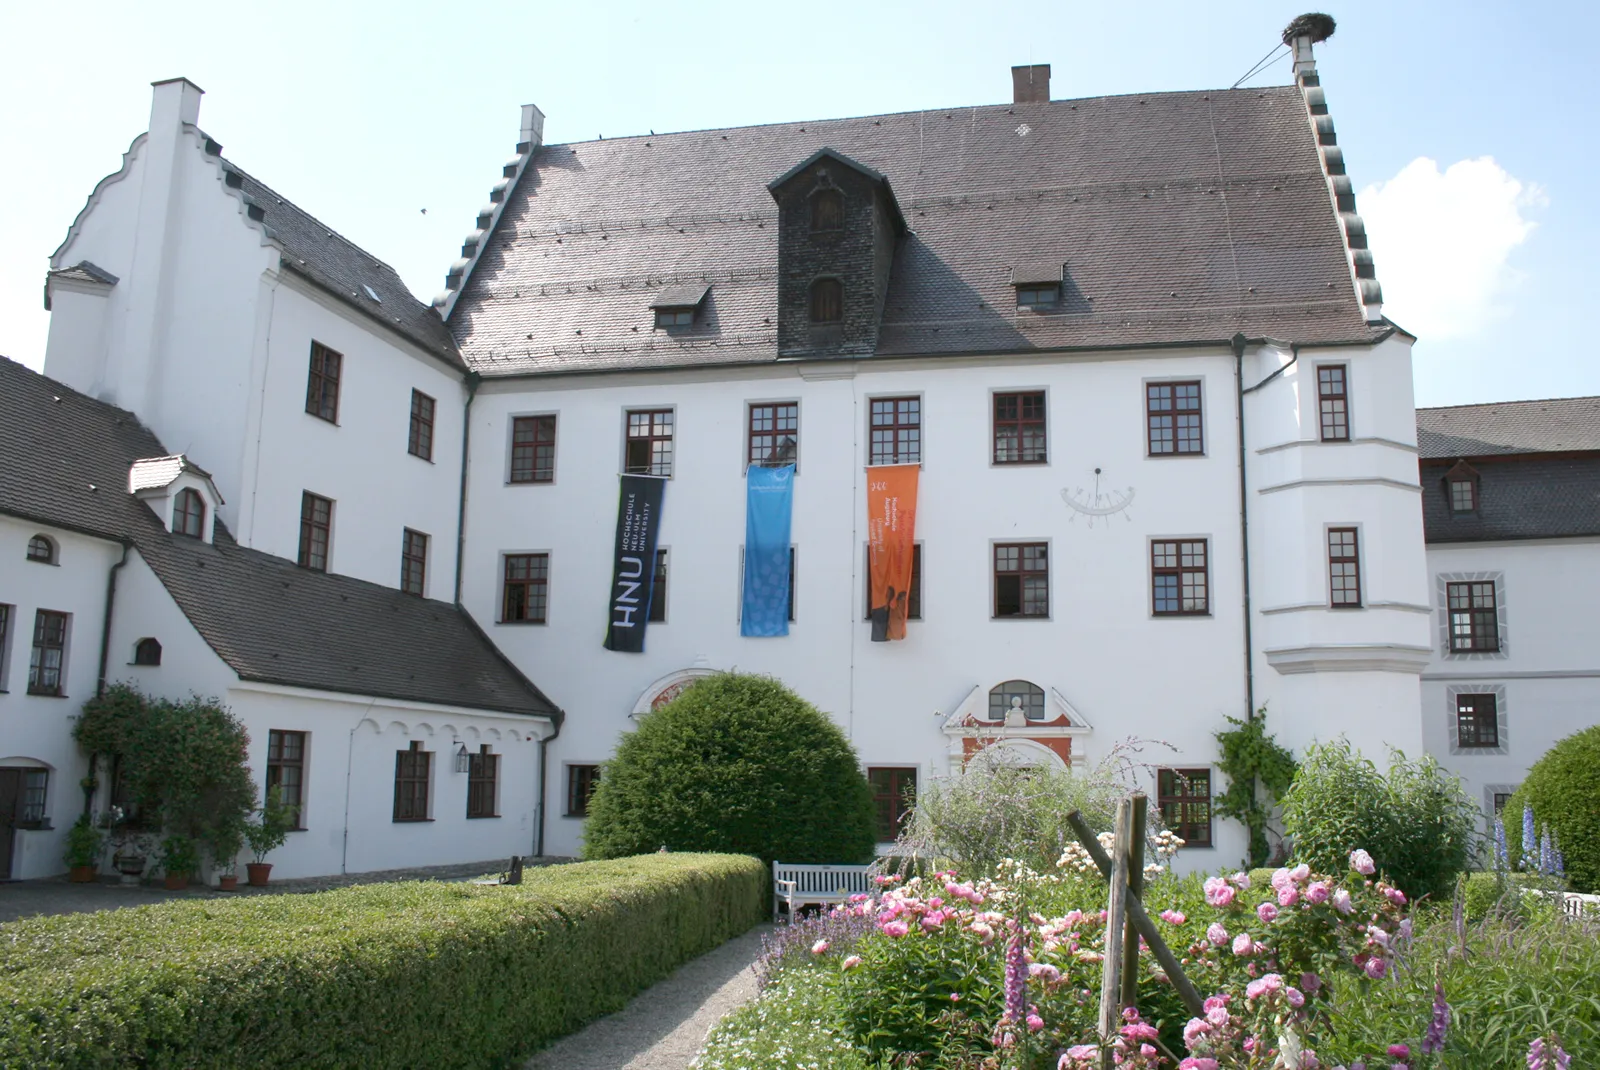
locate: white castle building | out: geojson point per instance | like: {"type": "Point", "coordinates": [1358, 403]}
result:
{"type": "Point", "coordinates": [1168, 469]}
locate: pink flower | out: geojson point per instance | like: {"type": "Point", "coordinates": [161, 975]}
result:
{"type": "Point", "coordinates": [1219, 893]}
{"type": "Point", "coordinates": [1399, 1051]}
{"type": "Point", "coordinates": [1197, 1028]}
{"type": "Point", "coordinates": [1376, 968]}
{"type": "Point", "coordinates": [1078, 1053]}
{"type": "Point", "coordinates": [1242, 880]}
{"type": "Point", "coordinates": [887, 879]}
{"type": "Point", "coordinates": [1288, 895]}
{"type": "Point", "coordinates": [1396, 896]}
{"type": "Point", "coordinates": [1212, 1003]}
{"type": "Point", "coordinates": [1295, 997]}
{"type": "Point", "coordinates": [820, 947]}
{"type": "Point", "coordinates": [932, 920]}
{"type": "Point", "coordinates": [1317, 892]}
{"type": "Point", "coordinates": [1270, 983]}
{"type": "Point", "coordinates": [1217, 934]}
{"type": "Point", "coordinates": [851, 962]}
{"type": "Point", "coordinates": [1362, 862]}
{"type": "Point", "coordinates": [1173, 917]}
{"type": "Point", "coordinates": [1310, 982]}
{"type": "Point", "coordinates": [1198, 1062]}
{"type": "Point", "coordinates": [1280, 878]}
{"type": "Point", "coordinates": [1035, 1023]}
{"type": "Point", "coordinates": [1299, 873]}
{"type": "Point", "coordinates": [1044, 970]}
{"type": "Point", "coordinates": [895, 928]}
{"type": "Point", "coordinates": [1243, 945]}
{"type": "Point", "coordinates": [983, 930]}
{"type": "Point", "coordinates": [1341, 901]}
{"type": "Point", "coordinates": [1218, 1016]}
{"type": "Point", "coordinates": [1267, 913]}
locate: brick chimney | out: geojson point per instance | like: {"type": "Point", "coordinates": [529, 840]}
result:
{"type": "Point", "coordinates": [1030, 84]}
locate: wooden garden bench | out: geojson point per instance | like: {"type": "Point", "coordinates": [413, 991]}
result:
{"type": "Point", "coordinates": [821, 885]}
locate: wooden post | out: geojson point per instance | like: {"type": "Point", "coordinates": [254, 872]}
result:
{"type": "Point", "coordinates": [1111, 965]}
{"type": "Point", "coordinates": [1141, 921]}
{"type": "Point", "coordinates": [1130, 937]}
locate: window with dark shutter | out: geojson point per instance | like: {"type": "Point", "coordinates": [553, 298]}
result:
{"type": "Point", "coordinates": [420, 441]}
{"type": "Point", "coordinates": [483, 776]}
{"type": "Point", "coordinates": [581, 782]}
{"type": "Point", "coordinates": [316, 527]}
{"type": "Point", "coordinates": [147, 651]}
{"type": "Point", "coordinates": [322, 383]}
{"type": "Point", "coordinates": [827, 301]}
{"type": "Point", "coordinates": [412, 767]}
{"type": "Point", "coordinates": [827, 211]}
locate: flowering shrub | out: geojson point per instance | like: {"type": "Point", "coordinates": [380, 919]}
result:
{"type": "Point", "coordinates": [1563, 791]}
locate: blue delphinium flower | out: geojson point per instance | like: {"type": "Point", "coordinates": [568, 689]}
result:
{"type": "Point", "coordinates": [1530, 842]}
{"type": "Point", "coordinates": [1547, 862]}
{"type": "Point", "coordinates": [1560, 861]}
{"type": "Point", "coordinates": [1500, 861]}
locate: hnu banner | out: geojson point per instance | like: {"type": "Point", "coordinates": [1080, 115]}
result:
{"type": "Point", "coordinates": [769, 505]}
{"type": "Point", "coordinates": [638, 527]}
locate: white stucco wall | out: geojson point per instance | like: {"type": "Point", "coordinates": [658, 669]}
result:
{"type": "Point", "coordinates": [1547, 674]}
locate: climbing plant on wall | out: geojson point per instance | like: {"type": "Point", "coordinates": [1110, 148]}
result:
{"type": "Point", "coordinates": [1254, 763]}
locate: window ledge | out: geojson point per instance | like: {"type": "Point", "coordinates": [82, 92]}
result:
{"type": "Point", "coordinates": [45, 694]}
{"type": "Point", "coordinates": [1019, 616]}
{"type": "Point", "coordinates": [482, 817]}
{"type": "Point", "coordinates": [36, 561]}
{"type": "Point", "coordinates": [579, 817]}
{"type": "Point", "coordinates": [412, 820]}
{"type": "Point", "coordinates": [520, 623]}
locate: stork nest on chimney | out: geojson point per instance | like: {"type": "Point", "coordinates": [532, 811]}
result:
{"type": "Point", "coordinates": [1315, 25]}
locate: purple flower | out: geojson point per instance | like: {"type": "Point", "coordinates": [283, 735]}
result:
{"type": "Point", "coordinates": [1542, 1056]}
{"type": "Point", "coordinates": [1016, 978]}
{"type": "Point", "coordinates": [1376, 968]}
{"type": "Point", "coordinates": [1399, 1051]}
{"type": "Point", "coordinates": [1439, 1027]}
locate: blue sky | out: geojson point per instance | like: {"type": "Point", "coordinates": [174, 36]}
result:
{"type": "Point", "coordinates": [1457, 122]}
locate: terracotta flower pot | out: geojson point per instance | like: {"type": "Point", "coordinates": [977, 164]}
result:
{"type": "Point", "coordinates": [177, 882]}
{"type": "Point", "coordinates": [82, 875]}
{"type": "Point", "coordinates": [228, 883]}
{"type": "Point", "coordinates": [259, 872]}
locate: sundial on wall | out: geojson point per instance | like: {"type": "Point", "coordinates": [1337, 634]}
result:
{"type": "Point", "coordinates": [1097, 502]}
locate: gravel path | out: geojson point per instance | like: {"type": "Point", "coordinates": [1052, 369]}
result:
{"type": "Point", "coordinates": [666, 1025]}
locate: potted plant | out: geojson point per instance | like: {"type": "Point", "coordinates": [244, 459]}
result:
{"type": "Point", "coordinates": [84, 842]}
{"type": "Point", "coordinates": [225, 841]}
{"type": "Point", "coordinates": [179, 859]}
{"type": "Point", "coordinates": [267, 835]}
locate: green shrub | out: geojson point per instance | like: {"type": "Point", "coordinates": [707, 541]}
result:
{"type": "Point", "coordinates": [736, 763]}
{"type": "Point", "coordinates": [1415, 821]}
{"type": "Point", "coordinates": [411, 974]}
{"type": "Point", "coordinates": [1563, 788]}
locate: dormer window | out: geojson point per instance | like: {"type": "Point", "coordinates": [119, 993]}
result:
{"type": "Point", "coordinates": [1461, 487]}
{"type": "Point", "coordinates": [42, 548]}
{"type": "Point", "coordinates": [676, 305]}
{"type": "Point", "coordinates": [1038, 284]}
{"type": "Point", "coordinates": [189, 514]}
{"type": "Point", "coordinates": [827, 301]}
{"type": "Point", "coordinates": [827, 211]}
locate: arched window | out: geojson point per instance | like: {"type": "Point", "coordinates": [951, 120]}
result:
{"type": "Point", "coordinates": [1016, 694]}
{"type": "Point", "coordinates": [147, 652]}
{"type": "Point", "coordinates": [827, 211]}
{"type": "Point", "coordinates": [42, 548]}
{"type": "Point", "coordinates": [827, 301]}
{"type": "Point", "coordinates": [189, 514]}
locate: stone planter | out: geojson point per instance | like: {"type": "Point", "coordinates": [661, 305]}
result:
{"type": "Point", "coordinates": [130, 866]}
{"type": "Point", "coordinates": [259, 872]}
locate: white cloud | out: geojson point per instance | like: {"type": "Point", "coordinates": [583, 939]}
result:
{"type": "Point", "coordinates": [1443, 242]}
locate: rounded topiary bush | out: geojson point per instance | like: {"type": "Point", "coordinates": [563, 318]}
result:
{"type": "Point", "coordinates": [1563, 788]}
{"type": "Point", "coordinates": [736, 764]}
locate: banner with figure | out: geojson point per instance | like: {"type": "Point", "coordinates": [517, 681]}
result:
{"type": "Point", "coordinates": [769, 505]}
{"type": "Point", "coordinates": [638, 527]}
{"type": "Point", "coordinates": [891, 536]}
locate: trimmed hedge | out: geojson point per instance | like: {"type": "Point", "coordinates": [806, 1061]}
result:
{"type": "Point", "coordinates": [1563, 787]}
{"type": "Point", "coordinates": [411, 974]}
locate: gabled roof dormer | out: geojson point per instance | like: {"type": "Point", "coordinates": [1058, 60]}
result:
{"type": "Point", "coordinates": [838, 226]}
{"type": "Point", "coordinates": [178, 491]}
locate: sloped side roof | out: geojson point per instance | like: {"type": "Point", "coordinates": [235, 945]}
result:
{"type": "Point", "coordinates": [1506, 427]}
{"type": "Point", "coordinates": [1182, 218]}
{"type": "Point", "coordinates": [1522, 496]}
{"type": "Point", "coordinates": [64, 460]}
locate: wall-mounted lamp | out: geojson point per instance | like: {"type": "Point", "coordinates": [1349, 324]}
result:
{"type": "Point", "coordinates": [463, 759]}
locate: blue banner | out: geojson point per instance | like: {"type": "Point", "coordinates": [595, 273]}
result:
{"type": "Point", "coordinates": [769, 505]}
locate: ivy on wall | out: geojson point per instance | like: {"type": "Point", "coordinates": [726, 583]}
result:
{"type": "Point", "coordinates": [1255, 764]}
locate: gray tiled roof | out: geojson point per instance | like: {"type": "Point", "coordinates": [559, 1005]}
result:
{"type": "Point", "coordinates": [1182, 218]}
{"type": "Point", "coordinates": [1504, 427]}
{"type": "Point", "coordinates": [64, 460]}
{"type": "Point", "coordinates": [1523, 496]}
{"type": "Point", "coordinates": [344, 269]}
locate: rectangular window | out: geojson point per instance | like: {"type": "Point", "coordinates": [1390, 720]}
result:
{"type": "Point", "coordinates": [1038, 296]}
{"type": "Point", "coordinates": [1501, 798]}
{"type": "Point", "coordinates": [525, 596]}
{"type": "Point", "coordinates": [316, 526]}
{"type": "Point", "coordinates": [412, 767]}
{"type": "Point", "coordinates": [1477, 723]}
{"type": "Point", "coordinates": [894, 793]}
{"type": "Point", "coordinates": [286, 770]}
{"type": "Point", "coordinates": [1474, 623]}
{"type": "Point", "coordinates": [1021, 579]}
{"type": "Point", "coordinates": [658, 589]}
{"type": "Point", "coordinates": [483, 775]}
{"type": "Point", "coordinates": [1463, 496]}
{"type": "Point", "coordinates": [1019, 436]}
{"type": "Point", "coordinates": [1344, 568]}
{"type": "Point", "coordinates": [1178, 577]}
{"type": "Point", "coordinates": [1333, 403]}
{"type": "Point", "coordinates": [1172, 411]}
{"type": "Point", "coordinates": [896, 431]}
{"type": "Point", "coordinates": [30, 806]}
{"type": "Point", "coordinates": [913, 599]}
{"type": "Point", "coordinates": [581, 781]}
{"type": "Point", "coordinates": [1185, 799]}
{"type": "Point", "coordinates": [420, 443]}
{"type": "Point", "coordinates": [674, 317]}
{"type": "Point", "coordinates": [774, 434]}
{"type": "Point", "coordinates": [648, 446]}
{"type": "Point", "coordinates": [791, 584]}
{"type": "Point", "coordinates": [49, 653]}
{"type": "Point", "coordinates": [5, 644]}
{"type": "Point", "coordinates": [533, 449]}
{"type": "Point", "coordinates": [413, 561]}
{"type": "Point", "coordinates": [322, 384]}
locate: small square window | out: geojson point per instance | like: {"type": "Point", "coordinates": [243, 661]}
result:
{"type": "Point", "coordinates": [674, 317]}
{"type": "Point", "coordinates": [1038, 296]}
{"type": "Point", "coordinates": [1463, 496]}
{"type": "Point", "coordinates": [1477, 721]}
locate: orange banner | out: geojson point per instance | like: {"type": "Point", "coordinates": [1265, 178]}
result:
{"type": "Point", "coordinates": [891, 531]}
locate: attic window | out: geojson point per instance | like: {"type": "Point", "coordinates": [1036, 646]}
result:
{"type": "Point", "coordinates": [676, 305]}
{"type": "Point", "coordinates": [1461, 488]}
{"type": "Point", "coordinates": [1038, 283]}
{"type": "Point", "coordinates": [42, 549]}
{"type": "Point", "coordinates": [189, 514]}
{"type": "Point", "coordinates": [827, 301]}
{"type": "Point", "coordinates": [147, 652]}
{"type": "Point", "coordinates": [372, 293]}
{"type": "Point", "coordinates": [827, 211]}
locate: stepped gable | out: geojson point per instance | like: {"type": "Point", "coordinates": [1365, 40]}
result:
{"type": "Point", "coordinates": [1179, 218]}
